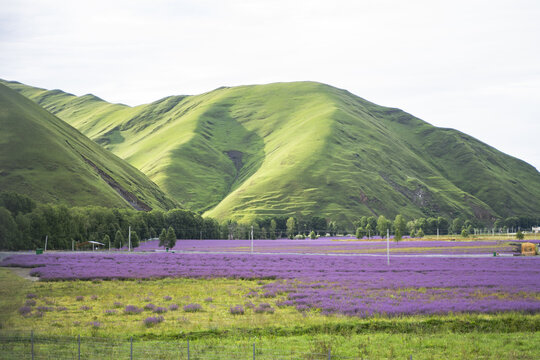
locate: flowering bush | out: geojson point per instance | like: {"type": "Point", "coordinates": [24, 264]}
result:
{"type": "Point", "coordinates": [31, 296]}
{"type": "Point", "coordinates": [167, 298]}
{"type": "Point", "coordinates": [30, 302]}
{"type": "Point", "coordinates": [160, 310]}
{"type": "Point", "coordinates": [173, 307]}
{"type": "Point", "coordinates": [118, 304]}
{"type": "Point", "coordinates": [150, 307]}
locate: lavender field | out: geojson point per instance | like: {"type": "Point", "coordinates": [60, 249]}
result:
{"type": "Point", "coordinates": [347, 285]}
{"type": "Point", "coordinates": [342, 245]}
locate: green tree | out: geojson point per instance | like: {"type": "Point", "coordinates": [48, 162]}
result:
{"type": "Point", "coordinates": [134, 239]}
{"type": "Point", "coordinates": [464, 233]}
{"type": "Point", "coordinates": [171, 238]}
{"type": "Point", "coordinates": [9, 233]}
{"type": "Point", "coordinates": [420, 233]}
{"type": "Point", "coordinates": [382, 225]}
{"type": "Point", "coordinates": [519, 235]}
{"type": "Point", "coordinates": [369, 230]}
{"type": "Point", "coordinates": [291, 227]}
{"type": "Point", "coordinates": [273, 226]}
{"type": "Point", "coordinates": [400, 227]}
{"type": "Point", "coordinates": [106, 240]}
{"type": "Point", "coordinates": [360, 232]}
{"type": "Point", "coordinates": [163, 237]}
{"type": "Point", "coordinates": [118, 240]}
{"type": "Point", "coordinates": [312, 235]}
{"type": "Point", "coordinates": [457, 225]}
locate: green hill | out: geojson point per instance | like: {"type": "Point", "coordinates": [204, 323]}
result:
{"type": "Point", "coordinates": [301, 148]}
{"type": "Point", "coordinates": [45, 158]}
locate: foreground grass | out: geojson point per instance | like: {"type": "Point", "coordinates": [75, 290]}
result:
{"type": "Point", "coordinates": [214, 329]}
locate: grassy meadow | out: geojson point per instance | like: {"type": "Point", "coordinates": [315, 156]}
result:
{"type": "Point", "coordinates": [79, 308]}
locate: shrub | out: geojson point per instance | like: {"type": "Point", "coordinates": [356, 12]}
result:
{"type": "Point", "coordinates": [519, 235]}
{"type": "Point", "coordinates": [31, 296]}
{"type": "Point", "coordinates": [192, 308]}
{"type": "Point", "coordinates": [464, 233]}
{"type": "Point", "coordinates": [173, 307]}
{"type": "Point", "coordinates": [79, 298]}
{"type": "Point", "coordinates": [312, 235]}
{"type": "Point", "coordinates": [30, 302]}
{"type": "Point", "coordinates": [420, 233]}
{"type": "Point", "coordinates": [208, 300]}
{"type": "Point", "coordinates": [132, 309]}
{"type": "Point", "coordinates": [118, 304]}
{"type": "Point", "coordinates": [237, 310]}
{"type": "Point", "coordinates": [94, 297]}
{"type": "Point", "coordinates": [167, 298]}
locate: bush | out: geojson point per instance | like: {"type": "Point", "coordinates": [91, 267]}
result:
{"type": "Point", "coordinates": [519, 235]}
{"type": "Point", "coordinates": [25, 310]}
{"type": "Point", "coordinates": [420, 233]}
{"type": "Point", "coordinates": [160, 310]}
{"type": "Point", "coordinates": [173, 307]}
{"type": "Point", "coordinates": [312, 235]}
{"type": "Point", "coordinates": [264, 308]}
{"type": "Point", "coordinates": [464, 233]}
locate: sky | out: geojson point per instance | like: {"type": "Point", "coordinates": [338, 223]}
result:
{"type": "Point", "coordinates": [470, 65]}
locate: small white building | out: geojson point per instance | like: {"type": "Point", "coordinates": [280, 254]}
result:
{"type": "Point", "coordinates": [536, 229]}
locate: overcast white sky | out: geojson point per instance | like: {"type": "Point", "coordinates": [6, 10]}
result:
{"type": "Point", "coordinates": [469, 65]}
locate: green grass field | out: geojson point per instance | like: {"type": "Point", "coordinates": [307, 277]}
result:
{"type": "Point", "coordinates": [509, 336]}
{"type": "Point", "coordinates": [301, 149]}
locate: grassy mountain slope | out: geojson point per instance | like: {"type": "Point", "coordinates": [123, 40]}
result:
{"type": "Point", "coordinates": [301, 148]}
{"type": "Point", "coordinates": [47, 159]}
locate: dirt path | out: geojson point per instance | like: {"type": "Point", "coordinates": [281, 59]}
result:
{"type": "Point", "coordinates": [24, 273]}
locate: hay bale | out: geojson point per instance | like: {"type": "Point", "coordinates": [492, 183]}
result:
{"type": "Point", "coordinates": [528, 249]}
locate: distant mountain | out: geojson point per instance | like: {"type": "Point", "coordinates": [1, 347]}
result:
{"type": "Point", "coordinates": [301, 148]}
{"type": "Point", "coordinates": [50, 161]}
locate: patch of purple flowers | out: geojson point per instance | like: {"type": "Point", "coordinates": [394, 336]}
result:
{"type": "Point", "coordinates": [237, 310]}
{"type": "Point", "coordinates": [192, 308]}
{"type": "Point", "coordinates": [160, 310]}
{"type": "Point", "coordinates": [173, 307]}
{"type": "Point", "coordinates": [264, 308]}
{"type": "Point", "coordinates": [110, 312]}
{"type": "Point", "coordinates": [25, 310]}
{"type": "Point", "coordinates": [153, 320]}
{"type": "Point", "coordinates": [30, 302]}
{"type": "Point", "coordinates": [150, 307]}
{"type": "Point", "coordinates": [132, 309]}
{"type": "Point", "coordinates": [167, 298]}
{"type": "Point", "coordinates": [31, 296]}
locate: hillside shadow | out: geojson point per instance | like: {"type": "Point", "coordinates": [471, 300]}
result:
{"type": "Point", "coordinates": [219, 158]}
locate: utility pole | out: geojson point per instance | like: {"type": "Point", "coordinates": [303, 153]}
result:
{"type": "Point", "coordinates": [252, 239]}
{"type": "Point", "coordinates": [129, 238]}
{"type": "Point", "coordinates": [387, 246]}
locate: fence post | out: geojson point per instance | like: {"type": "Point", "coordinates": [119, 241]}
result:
{"type": "Point", "coordinates": [32, 341]}
{"type": "Point", "coordinates": [79, 345]}
{"type": "Point", "coordinates": [187, 349]}
{"type": "Point", "coordinates": [131, 348]}
{"type": "Point", "coordinates": [253, 351]}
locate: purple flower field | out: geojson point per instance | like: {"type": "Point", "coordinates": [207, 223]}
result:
{"type": "Point", "coordinates": [349, 285]}
{"type": "Point", "coordinates": [337, 246]}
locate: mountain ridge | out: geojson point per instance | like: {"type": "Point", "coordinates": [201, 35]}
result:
{"type": "Point", "coordinates": [302, 148]}
{"type": "Point", "coordinates": [44, 157]}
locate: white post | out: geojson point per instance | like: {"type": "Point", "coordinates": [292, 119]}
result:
{"type": "Point", "coordinates": [46, 238]}
{"type": "Point", "coordinates": [129, 239]}
{"type": "Point", "coordinates": [72, 245]}
{"type": "Point", "coordinates": [437, 233]}
{"type": "Point", "coordinates": [387, 246]}
{"type": "Point", "coordinates": [109, 245]}
{"type": "Point", "coordinates": [252, 239]}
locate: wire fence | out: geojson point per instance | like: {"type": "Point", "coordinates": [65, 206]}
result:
{"type": "Point", "coordinates": [33, 346]}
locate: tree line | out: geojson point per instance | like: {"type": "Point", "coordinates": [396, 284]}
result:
{"type": "Point", "coordinates": [24, 225]}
